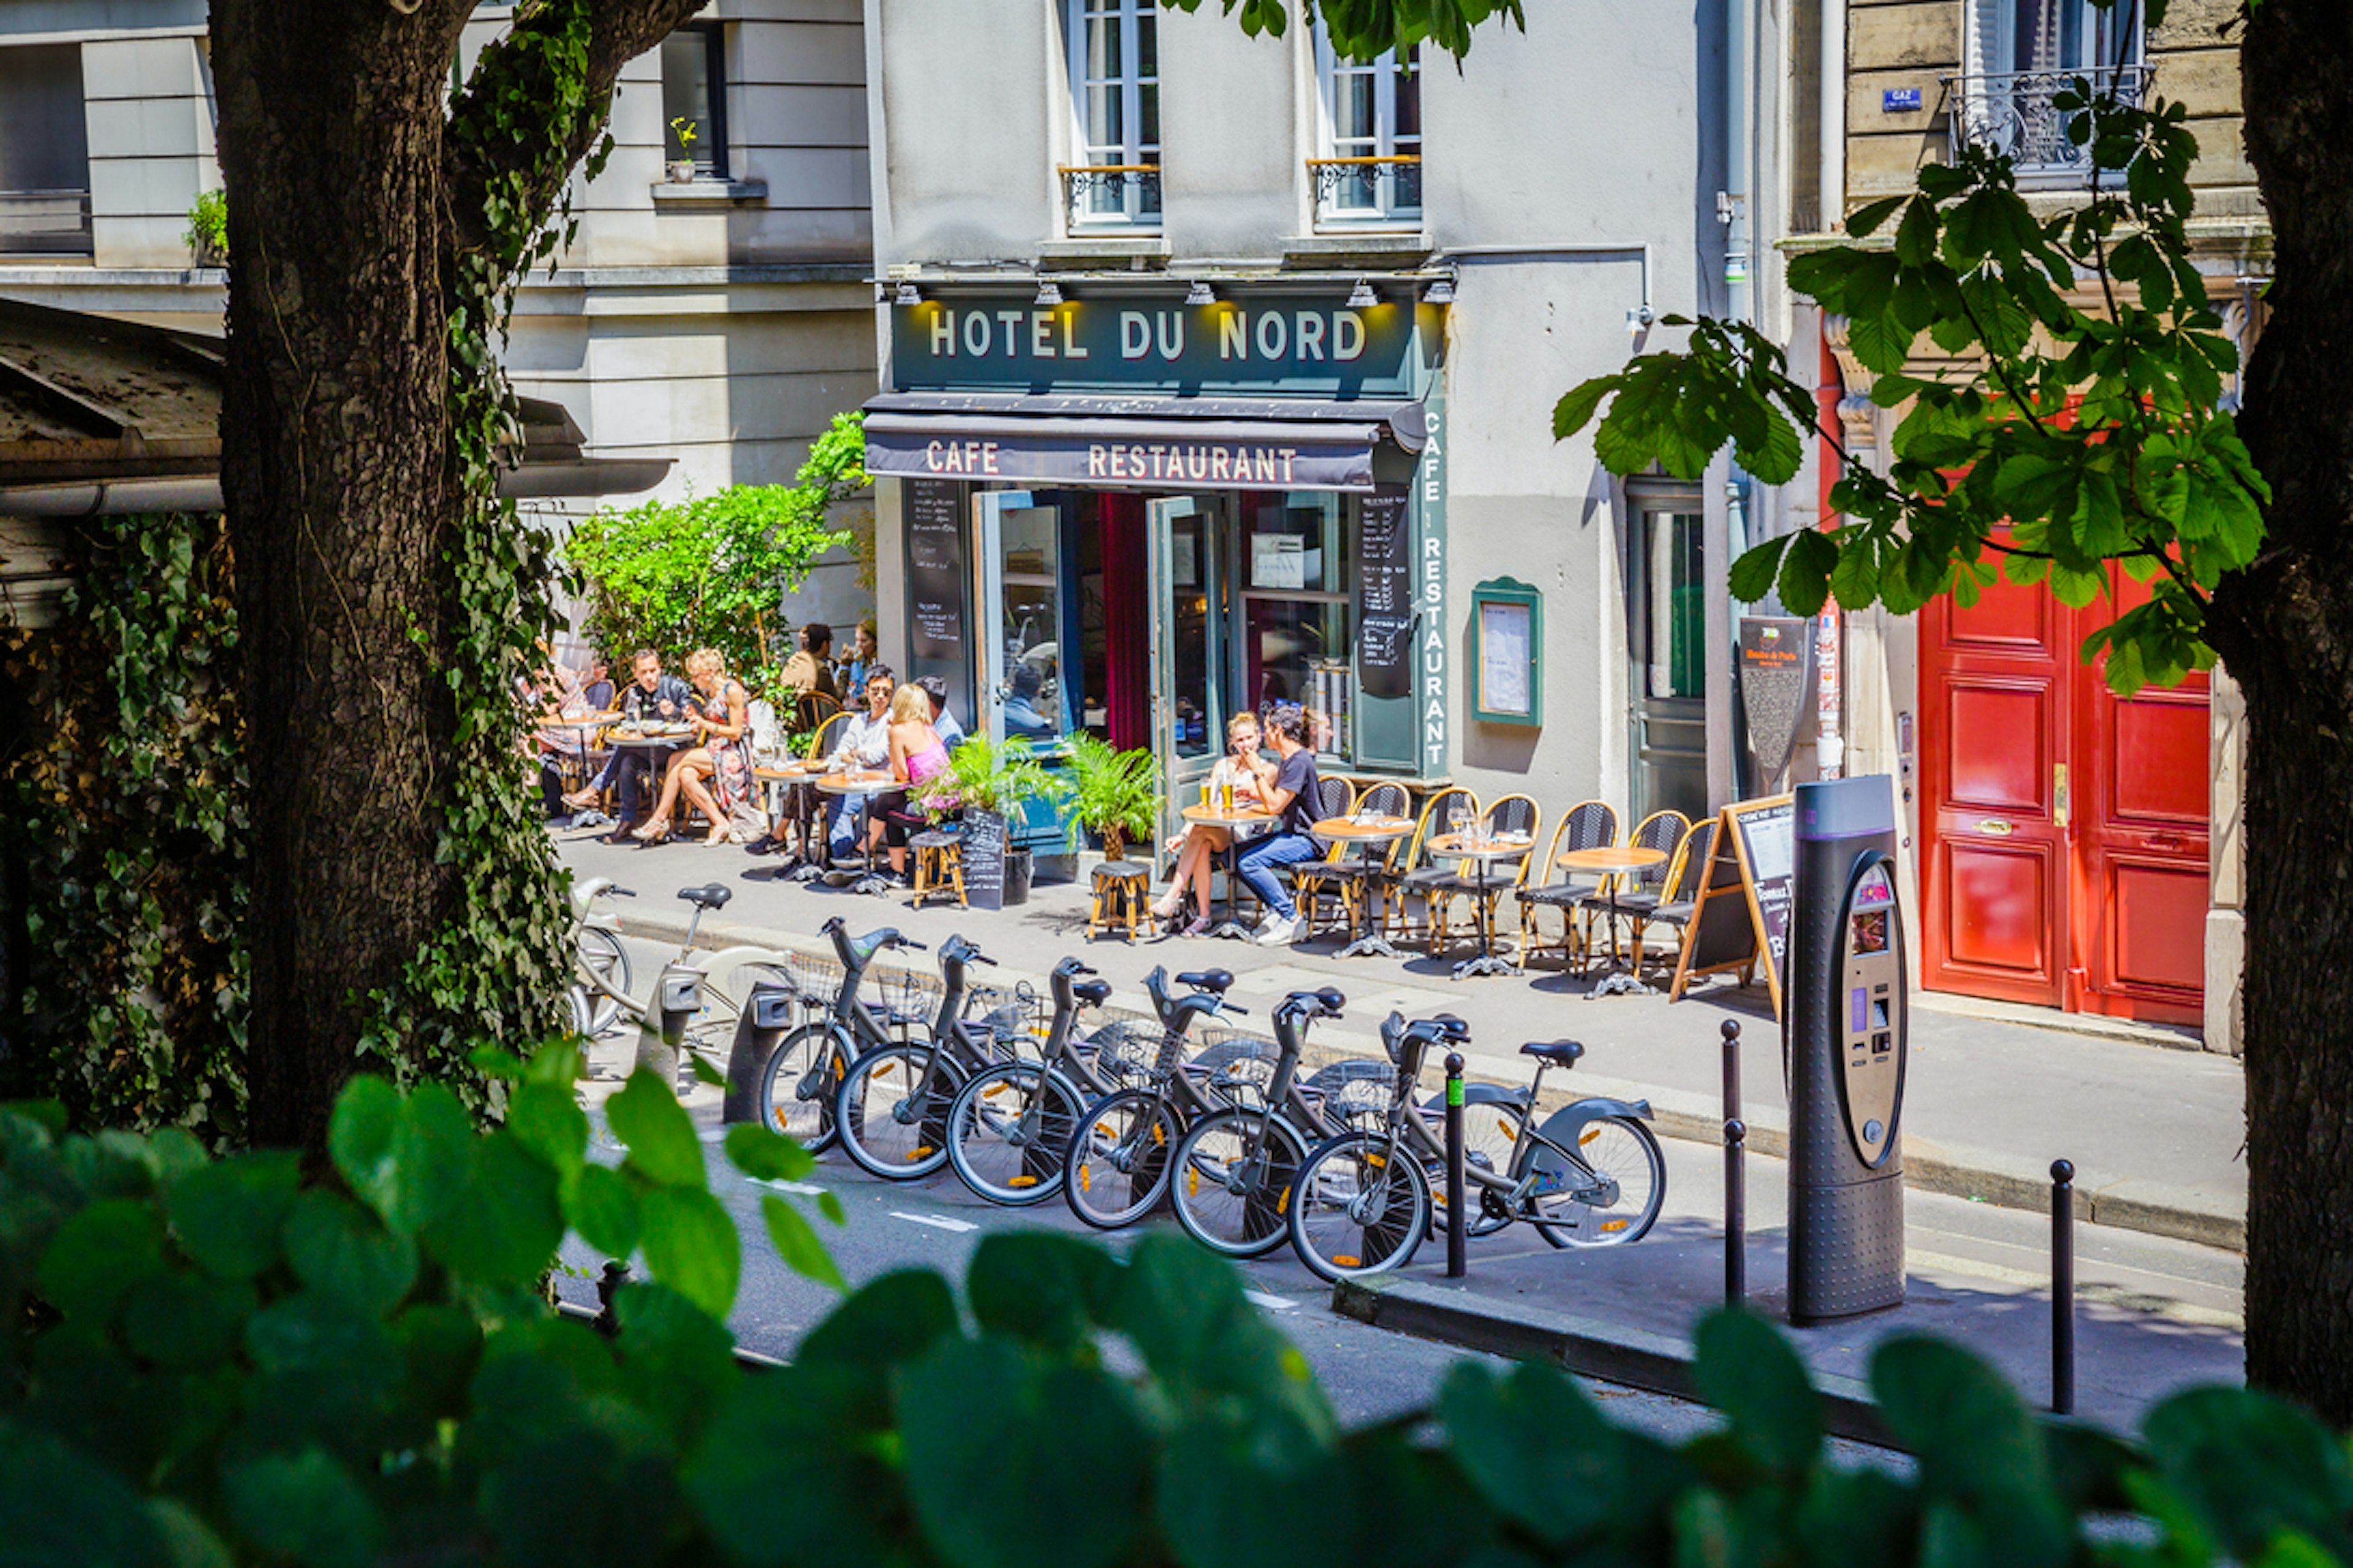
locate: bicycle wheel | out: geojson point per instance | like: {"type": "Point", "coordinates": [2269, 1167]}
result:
{"type": "Point", "coordinates": [1491, 1138]}
{"type": "Point", "coordinates": [892, 1110]}
{"type": "Point", "coordinates": [1010, 1132]}
{"type": "Point", "coordinates": [1119, 1158]}
{"type": "Point", "coordinates": [1358, 1210]}
{"type": "Point", "coordinates": [798, 1085]}
{"type": "Point", "coordinates": [1617, 1202]}
{"type": "Point", "coordinates": [601, 955]}
{"type": "Point", "coordinates": [1235, 1172]}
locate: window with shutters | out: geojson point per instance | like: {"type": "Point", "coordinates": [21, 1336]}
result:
{"type": "Point", "coordinates": [1370, 113]}
{"type": "Point", "coordinates": [1114, 181]}
{"type": "Point", "coordinates": [2020, 55]}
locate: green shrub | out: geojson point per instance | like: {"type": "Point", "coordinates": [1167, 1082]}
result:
{"type": "Point", "coordinates": [207, 232]}
{"type": "Point", "coordinates": [227, 1361]}
{"type": "Point", "coordinates": [1114, 794]}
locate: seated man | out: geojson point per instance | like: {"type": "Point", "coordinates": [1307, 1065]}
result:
{"type": "Point", "coordinates": [650, 697]}
{"type": "Point", "coordinates": [1294, 803]}
{"type": "Point", "coordinates": [1023, 717]}
{"type": "Point", "coordinates": [951, 733]}
{"type": "Point", "coordinates": [862, 743]}
{"type": "Point", "coordinates": [809, 669]}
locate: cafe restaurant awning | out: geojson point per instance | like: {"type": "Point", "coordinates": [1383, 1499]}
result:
{"type": "Point", "coordinates": [1140, 443]}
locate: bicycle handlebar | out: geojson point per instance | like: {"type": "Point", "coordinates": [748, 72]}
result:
{"type": "Point", "coordinates": [898, 941]}
{"type": "Point", "coordinates": [622, 892]}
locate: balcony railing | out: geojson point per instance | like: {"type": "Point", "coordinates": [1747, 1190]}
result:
{"type": "Point", "coordinates": [44, 223]}
{"type": "Point", "coordinates": [1097, 196]}
{"type": "Point", "coordinates": [2014, 113]}
{"type": "Point", "coordinates": [1367, 190]}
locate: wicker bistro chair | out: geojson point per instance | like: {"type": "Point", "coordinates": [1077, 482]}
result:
{"type": "Point", "coordinates": [1420, 877]}
{"type": "Point", "coordinates": [1640, 893]}
{"type": "Point", "coordinates": [1588, 825]}
{"type": "Point", "coordinates": [1507, 813]}
{"type": "Point", "coordinates": [1356, 878]}
{"type": "Point", "coordinates": [812, 709]}
{"type": "Point", "coordinates": [1311, 882]}
{"type": "Point", "coordinates": [1680, 897]}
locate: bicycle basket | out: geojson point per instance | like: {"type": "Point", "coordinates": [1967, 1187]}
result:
{"type": "Point", "coordinates": [816, 981]}
{"type": "Point", "coordinates": [1007, 1018]}
{"type": "Point", "coordinates": [1356, 1092]}
{"type": "Point", "coordinates": [1235, 1069]}
{"type": "Point", "coordinates": [906, 995]}
{"type": "Point", "coordinates": [1123, 1054]}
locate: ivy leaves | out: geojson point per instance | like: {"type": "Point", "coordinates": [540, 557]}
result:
{"type": "Point", "coordinates": [2061, 378]}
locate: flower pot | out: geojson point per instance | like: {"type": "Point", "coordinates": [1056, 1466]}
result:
{"type": "Point", "coordinates": [1017, 864]}
{"type": "Point", "coordinates": [682, 171]}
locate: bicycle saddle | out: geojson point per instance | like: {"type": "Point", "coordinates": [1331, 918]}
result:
{"type": "Point", "coordinates": [1325, 1002]}
{"type": "Point", "coordinates": [1091, 992]}
{"type": "Point", "coordinates": [1560, 1052]}
{"type": "Point", "coordinates": [1215, 979]}
{"type": "Point", "coordinates": [709, 896]}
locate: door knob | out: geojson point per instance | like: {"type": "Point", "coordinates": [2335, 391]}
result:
{"type": "Point", "coordinates": [1996, 828]}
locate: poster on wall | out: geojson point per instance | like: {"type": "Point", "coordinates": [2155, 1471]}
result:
{"type": "Point", "coordinates": [1385, 606]}
{"type": "Point", "coordinates": [1504, 657]}
{"type": "Point", "coordinates": [935, 569]}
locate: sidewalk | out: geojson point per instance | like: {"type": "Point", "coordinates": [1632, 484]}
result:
{"type": "Point", "coordinates": [2154, 1133]}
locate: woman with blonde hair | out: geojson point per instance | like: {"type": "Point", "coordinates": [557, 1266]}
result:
{"type": "Point", "coordinates": [917, 756]}
{"type": "Point", "coordinates": [1197, 847]}
{"type": "Point", "coordinates": [715, 775]}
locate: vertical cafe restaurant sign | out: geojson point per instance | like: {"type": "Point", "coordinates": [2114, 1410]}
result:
{"type": "Point", "coordinates": [1299, 344]}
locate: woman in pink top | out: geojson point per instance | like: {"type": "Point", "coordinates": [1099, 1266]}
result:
{"type": "Point", "coordinates": [917, 754]}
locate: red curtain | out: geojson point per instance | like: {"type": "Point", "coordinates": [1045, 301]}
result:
{"type": "Point", "coordinates": [1127, 644]}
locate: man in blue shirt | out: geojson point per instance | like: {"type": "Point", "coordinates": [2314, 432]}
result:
{"type": "Point", "coordinates": [650, 697]}
{"type": "Point", "coordinates": [944, 722]}
{"type": "Point", "coordinates": [1295, 801]}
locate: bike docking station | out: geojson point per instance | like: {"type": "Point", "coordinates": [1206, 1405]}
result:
{"type": "Point", "coordinates": [1843, 1047]}
{"type": "Point", "coordinates": [662, 1037]}
{"type": "Point", "coordinates": [770, 1015]}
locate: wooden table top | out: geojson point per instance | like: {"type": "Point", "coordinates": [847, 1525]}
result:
{"type": "Point", "coordinates": [799, 769]}
{"type": "Point", "coordinates": [587, 722]}
{"type": "Point", "coordinates": [1241, 816]}
{"type": "Point", "coordinates": [1379, 830]}
{"type": "Point", "coordinates": [1610, 858]}
{"type": "Point", "coordinates": [856, 784]}
{"type": "Point", "coordinates": [1452, 846]}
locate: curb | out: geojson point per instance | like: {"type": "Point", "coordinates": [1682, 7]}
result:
{"type": "Point", "coordinates": [1632, 1357]}
{"type": "Point", "coordinates": [1985, 1175]}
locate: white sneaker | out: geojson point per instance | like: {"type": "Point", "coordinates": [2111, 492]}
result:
{"type": "Point", "coordinates": [1277, 931]}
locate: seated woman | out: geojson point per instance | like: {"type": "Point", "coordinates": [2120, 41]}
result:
{"type": "Point", "coordinates": [1197, 847]}
{"type": "Point", "coordinates": [715, 775]}
{"type": "Point", "coordinates": [917, 755]}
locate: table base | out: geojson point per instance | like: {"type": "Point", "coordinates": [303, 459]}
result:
{"type": "Point", "coordinates": [873, 883]}
{"type": "Point", "coordinates": [807, 871]}
{"type": "Point", "coordinates": [1618, 983]}
{"type": "Point", "coordinates": [1485, 963]}
{"type": "Point", "coordinates": [1372, 944]}
{"type": "Point", "coordinates": [1233, 931]}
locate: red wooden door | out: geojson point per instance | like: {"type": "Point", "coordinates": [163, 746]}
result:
{"type": "Point", "coordinates": [2065, 859]}
{"type": "Point", "coordinates": [1995, 728]}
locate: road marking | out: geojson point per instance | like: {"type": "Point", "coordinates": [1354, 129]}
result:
{"type": "Point", "coordinates": [718, 1135]}
{"type": "Point", "coordinates": [1272, 1303]}
{"type": "Point", "coordinates": [937, 1222]}
{"type": "Point", "coordinates": [802, 1189]}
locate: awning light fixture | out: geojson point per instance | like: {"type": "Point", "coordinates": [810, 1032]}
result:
{"type": "Point", "coordinates": [1362, 298]}
{"type": "Point", "coordinates": [1200, 293]}
{"type": "Point", "coordinates": [907, 294]}
{"type": "Point", "coordinates": [1050, 293]}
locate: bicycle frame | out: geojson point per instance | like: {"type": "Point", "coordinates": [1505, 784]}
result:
{"type": "Point", "coordinates": [1524, 1179]}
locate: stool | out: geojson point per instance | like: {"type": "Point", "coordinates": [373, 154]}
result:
{"type": "Point", "coordinates": [1122, 898]}
{"type": "Point", "coordinates": [939, 866]}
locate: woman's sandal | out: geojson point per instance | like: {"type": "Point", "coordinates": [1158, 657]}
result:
{"type": "Point", "coordinates": [653, 832]}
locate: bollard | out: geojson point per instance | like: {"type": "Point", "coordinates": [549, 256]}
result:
{"type": "Point", "coordinates": [616, 1275]}
{"type": "Point", "coordinates": [1458, 1218]}
{"type": "Point", "coordinates": [1736, 1212]}
{"type": "Point", "coordinates": [2062, 1287]}
{"type": "Point", "coordinates": [1731, 1033]}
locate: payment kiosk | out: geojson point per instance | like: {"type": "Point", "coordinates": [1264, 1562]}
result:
{"type": "Point", "coordinates": [1843, 1050]}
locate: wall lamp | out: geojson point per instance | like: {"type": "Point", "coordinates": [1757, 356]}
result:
{"type": "Point", "coordinates": [1200, 293]}
{"type": "Point", "coordinates": [1362, 298]}
{"type": "Point", "coordinates": [1050, 293]}
{"type": "Point", "coordinates": [1441, 292]}
{"type": "Point", "coordinates": [907, 294]}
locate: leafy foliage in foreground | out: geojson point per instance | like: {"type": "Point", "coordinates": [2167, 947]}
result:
{"type": "Point", "coordinates": [220, 1362]}
{"type": "Point", "coordinates": [2064, 381]}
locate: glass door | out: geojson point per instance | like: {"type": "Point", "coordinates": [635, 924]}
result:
{"type": "Point", "coordinates": [1023, 693]}
{"type": "Point", "coordinates": [1187, 604]}
{"type": "Point", "coordinates": [1666, 622]}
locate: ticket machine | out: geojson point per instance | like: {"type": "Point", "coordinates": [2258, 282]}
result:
{"type": "Point", "coordinates": [1844, 1044]}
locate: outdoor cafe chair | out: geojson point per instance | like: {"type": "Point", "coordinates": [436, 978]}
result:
{"type": "Point", "coordinates": [1359, 878]}
{"type": "Point", "coordinates": [1680, 900]}
{"type": "Point", "coordinates": [1638, 893]}
{"type": "Point", "coordinates": [1588, 825]}
{"type": "Point", "coordinates": [1419, 876]}
{"type": "Point", "coordinates": [1509, 814]}
{"type": "Point", "coordinates": [1313, 882]}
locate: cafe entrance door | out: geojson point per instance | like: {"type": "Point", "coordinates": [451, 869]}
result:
{"type": "Point", "coordinates": [1188, 615]}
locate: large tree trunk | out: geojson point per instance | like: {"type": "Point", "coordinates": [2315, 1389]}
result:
{"type": "Point", "coordinates": [336, 471]}
{"type": "Point", "coordinates": [2285, 629]}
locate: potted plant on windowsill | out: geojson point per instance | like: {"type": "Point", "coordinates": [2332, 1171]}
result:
{"type": "Point", "coordinates": [1114, 795]}
{"type": "Point", "coordinates": [987, 780]}
{"type": "Point", "coordinates": [681, 168]}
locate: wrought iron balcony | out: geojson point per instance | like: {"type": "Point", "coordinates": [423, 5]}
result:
{"type": "Point", "coordinates": [1111, 195]}
{"type": "Point", "coordinates": [1367, 190]}
{"type": "Point", "coordinates": [2015, 113]}
{"type": "Point", "coordinates": [44, 223]}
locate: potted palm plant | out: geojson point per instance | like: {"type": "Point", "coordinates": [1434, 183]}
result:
{"type": "Point", "coordinates": [987, 781]}
{"type": "Point", "coordinates": [1114, 795]}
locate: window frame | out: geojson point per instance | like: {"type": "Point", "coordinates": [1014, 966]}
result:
{"type": "Point", "coordinates": [1133, 152]}
{"type": "Point", "coordinates": [1330, 71]}
{"type": "Point", "coordinates": [715, 166]}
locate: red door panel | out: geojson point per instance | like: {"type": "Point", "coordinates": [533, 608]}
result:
{"type": "Point", "coordinates": [1997, 914]}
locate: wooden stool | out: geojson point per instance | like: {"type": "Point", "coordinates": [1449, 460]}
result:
{"type": "Point", "coordinates": [1123, 891]}
{"type": "Point", "coordinates": [939, 866]}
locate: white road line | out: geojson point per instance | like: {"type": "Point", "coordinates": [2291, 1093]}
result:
{"type": "Point", "coordinates": [1272, 1303]}
{"type": "Point", "coordinates": [802, 1188]}
{"type": "Point", "coordinates": [937, 1222]}
{"type": "Point", "coordinates": [717, 1135]}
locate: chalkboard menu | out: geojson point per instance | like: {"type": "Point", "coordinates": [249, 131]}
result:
{"type": "Point", "coordinates": [1743, 918]}
{"type": "Point", "coordinates": [935, 569]}
{"type": "Point", "coordinates": [1385, 602]}
{"type": "Point", "coordinates": [982, 855]}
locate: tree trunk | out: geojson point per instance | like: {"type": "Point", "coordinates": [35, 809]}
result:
{"type": "Point", "coordinates": [336, 472]}
{"type": "Point", "coordinates": [2285, 629]}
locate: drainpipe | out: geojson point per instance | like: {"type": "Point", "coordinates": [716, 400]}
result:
{"type": "Point", "coordinates": [1832, 197]}
{"type": "Point", "coordinates": [1732, 211]}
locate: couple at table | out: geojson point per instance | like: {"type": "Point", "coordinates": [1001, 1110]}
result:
{"type": "Point", "coordinates": [1284, 785]}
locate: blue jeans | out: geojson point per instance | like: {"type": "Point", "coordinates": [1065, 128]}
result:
{"type": "Point", "coordinates": [1262, 861]}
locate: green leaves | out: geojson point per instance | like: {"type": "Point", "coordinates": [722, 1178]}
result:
{"type": "Point", "coordinates": [1679, 410]}
{"type": "Point", "coordinates": [407, 1158]}
{"type": "Point", "coordinates": [1746, 1370]}
{"type": "Point", "coordinates": [647, 1117]}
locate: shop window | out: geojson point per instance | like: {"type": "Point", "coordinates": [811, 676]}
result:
{"type": "Point", "coordinates": [1370, 170]}
{"type": "Point", "coordinates": [694, 93]}
{"type": "Point", "coordinates": [44, 153]}
{"type": "Point", "coordinates": [1298, 614]}
{"type": "Point", "coordinates": [1030, 619]}
{"type": "Point", "coordinates": [1114, 182]}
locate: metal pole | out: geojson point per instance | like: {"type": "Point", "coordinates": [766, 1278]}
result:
{"type": "Point", "coordinates": [1731, 1033]}
{"type": "Point", "coordinates": [1736, 1212]}
{"type": "Point", "coordinates": [2062, 1287]}
{"type": "Point", "coordinates": [1458, 1222]}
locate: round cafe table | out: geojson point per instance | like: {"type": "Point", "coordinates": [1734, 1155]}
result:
{"type": "Point", "coordinates": [1482, 853]}
{"type": "Point", "coordinates": [575, 762]}
{"type": "Point", "coordinates": [862, 786]}
{"type": "Point", "coordinates": [777, 777]}
{"type": "Point", "coordinates": [653, 746]}
{"type": "Point", "coordinates": [1611, 860]}
{"type": "Point", "coordinates": [1233, 822]}
{"type": "Point", "coordinates": [1365, 835]}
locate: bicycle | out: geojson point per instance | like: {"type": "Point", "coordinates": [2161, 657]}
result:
{"type": "Point", "coordinates": [891, 1110]}
{"type": "Point", "coordinates": [599, 994]}
{"type": "Point", "coordinates": [1008, 1128]}
{"type": "Point", "coordinates": [1236, 1166]}
{"type": "Point", "coordinates": [1118, 1169]}
{"type": "Point", "coordinates": [1591, 1175]}
{"type": "Point", "coordinates": [803, 1074]}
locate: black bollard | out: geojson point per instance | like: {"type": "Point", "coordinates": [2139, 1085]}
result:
{"type": "Point", "coordinates": [1731, 1033]}
{"type": "Point", "coordinates": [1736, 1211]}
{"type": "Point", "coordinates": [1458, 1218]}
{"type": "Point", "coordinates": [608, 1284]}
{"type": "Point", "coordinates": [2062, 1287]}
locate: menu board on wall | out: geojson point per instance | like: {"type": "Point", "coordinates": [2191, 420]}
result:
{"type": "Point", "coordinates": [1385, 603]}
{"type": "Point", "coordinates": [935, 569]}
